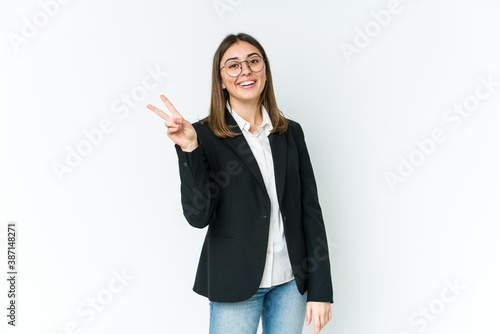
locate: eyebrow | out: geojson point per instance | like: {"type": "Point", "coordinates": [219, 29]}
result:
{"type": "Point", "coordinates": [248, 55]}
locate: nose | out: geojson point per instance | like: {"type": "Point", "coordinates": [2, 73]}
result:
{"type": "Point", "coordinates": [245, 68]}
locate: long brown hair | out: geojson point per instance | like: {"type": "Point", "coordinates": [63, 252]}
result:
{"type": "Point", "coordinates": [216, 117]}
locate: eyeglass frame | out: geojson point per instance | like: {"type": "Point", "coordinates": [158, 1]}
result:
{"type": "Point", "coordinates": [241, 67]}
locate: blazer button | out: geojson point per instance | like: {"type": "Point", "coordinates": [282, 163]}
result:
{"type": "Point", "coordinates": [185, 164]}
{"type": "Point", "coordinates": [284, 219]}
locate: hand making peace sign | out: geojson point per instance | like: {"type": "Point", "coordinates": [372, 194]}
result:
{"type": "Point", "coordinates": [179, 130]}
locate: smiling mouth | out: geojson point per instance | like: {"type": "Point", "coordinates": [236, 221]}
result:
{"type": "Point", "coordinates": [247, 84]}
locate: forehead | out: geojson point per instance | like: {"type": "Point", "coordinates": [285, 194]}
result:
{"type": "Point", "coordinates": [239, 50]}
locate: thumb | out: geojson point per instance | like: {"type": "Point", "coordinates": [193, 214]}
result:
{"type": "Point", "coordinates": [178, 120]}
{"type": "Point", "coordinates": [308, 315]}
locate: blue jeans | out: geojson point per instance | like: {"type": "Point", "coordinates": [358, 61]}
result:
{"type": "Point", "coordinates": [283, 311]}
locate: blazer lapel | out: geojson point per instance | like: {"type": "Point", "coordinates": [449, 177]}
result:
{"type": "Point", "coordinates": [278, 148]}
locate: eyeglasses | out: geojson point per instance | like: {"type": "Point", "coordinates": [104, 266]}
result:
{"type": "Point", "coordinates": [233, 67]}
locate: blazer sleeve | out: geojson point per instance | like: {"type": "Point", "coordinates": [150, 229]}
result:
{"type": "Point", "coordinates": [320, 281]}
{"type": "Point", "coordinates": [198, 197]}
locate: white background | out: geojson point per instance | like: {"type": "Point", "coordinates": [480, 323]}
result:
{"type": "Point", "coordinates": [392, 249]}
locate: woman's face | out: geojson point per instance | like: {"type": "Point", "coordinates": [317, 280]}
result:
{"type": "Point", "coordinates": [244, 94]}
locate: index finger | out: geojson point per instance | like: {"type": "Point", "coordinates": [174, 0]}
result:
{"type": "Point", "coordinates": [160, 113]}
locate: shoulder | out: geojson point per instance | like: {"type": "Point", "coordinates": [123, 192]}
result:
{"type": "Point", "coordinates": [202, 128]}
{"type": "Point", "coordinates": [205, 132]}
{"type": "Point", "coordinates": [292, 124]}
{"type": "Point", "coordinates": [294, 127]}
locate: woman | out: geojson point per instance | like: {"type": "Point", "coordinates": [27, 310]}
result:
{"type": "Point", "coordinates": [245, 173]}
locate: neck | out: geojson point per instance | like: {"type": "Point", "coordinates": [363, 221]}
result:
{"type": "Point", "coordinates": [250, 112]}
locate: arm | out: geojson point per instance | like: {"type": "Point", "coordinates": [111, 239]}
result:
{"type": "Point", "coordinates": [320, 283]}
{"type": "Point", "coordinates": [197, 188]}
{"type": "Point", "coordinates": [198, 201]}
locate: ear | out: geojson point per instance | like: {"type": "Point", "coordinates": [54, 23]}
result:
{"type": "Point", "coordinates": [223, 86]}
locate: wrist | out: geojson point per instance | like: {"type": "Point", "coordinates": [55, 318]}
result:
{"type": "Point", "coordinates": [190, 147]}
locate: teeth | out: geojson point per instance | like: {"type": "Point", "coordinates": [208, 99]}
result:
{"type": "Point", "coordinates": [246, 83]}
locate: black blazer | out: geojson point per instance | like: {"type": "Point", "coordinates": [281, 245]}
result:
{"type": "Point", "coordinates": [222, 188]}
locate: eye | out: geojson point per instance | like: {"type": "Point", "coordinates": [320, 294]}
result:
{"type": "Point", "coordinates": [255, 60]}
{"type": "Point", "coordinates": [233, 65]}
